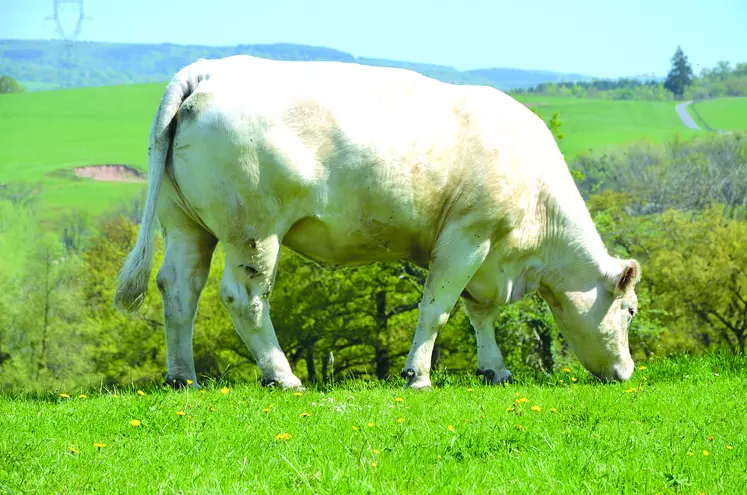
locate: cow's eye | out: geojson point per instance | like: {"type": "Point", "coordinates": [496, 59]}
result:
{"type": "Point", "coordinates": [632, 312]}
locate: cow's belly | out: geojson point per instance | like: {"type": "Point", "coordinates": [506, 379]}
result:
{"type": "Point", "coordinates": [366, 242]}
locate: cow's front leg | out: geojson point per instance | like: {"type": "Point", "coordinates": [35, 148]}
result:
{"type": "Point", "coordinates": [489, 359]}
{"type": "Point", "coordinates": [245, 292]}
{"type": "Point", "coordinates": [457, 256]}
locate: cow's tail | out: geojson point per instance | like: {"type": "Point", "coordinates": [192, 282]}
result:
{"type": "Point", "coordinates": [132, 281]}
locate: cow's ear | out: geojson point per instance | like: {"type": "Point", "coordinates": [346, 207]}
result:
{"type": "Point", "coordinates": [628, 277]}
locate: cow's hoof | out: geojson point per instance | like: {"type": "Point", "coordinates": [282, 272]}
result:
{"type": "Point", "coordinates": [291, 383]}
{"type": "Point", "coordinates": [414, 382]}
{"type": "Point", "coordinates": [490, 377]}
{"type": "Point", "coordinates": [179, 382]}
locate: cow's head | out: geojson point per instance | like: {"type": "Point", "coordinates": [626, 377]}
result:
{"type": "Point", "coordinates": [595, 318]}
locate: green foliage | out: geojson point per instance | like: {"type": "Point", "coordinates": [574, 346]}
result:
{"type": "Point", "coordinates": [10, 85]}
{"type": "Point", "coordinates": [680, 76]}
{"type": "Point", "coordinates": [460, 438]}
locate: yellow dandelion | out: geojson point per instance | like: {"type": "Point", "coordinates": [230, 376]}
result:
{"type": "Point", "coordinates": [181, 413]}
{"type": "Point", "coordinates": [710, 438]}
{"type": "Point", "coordinates": [566, 370]}
{"type": "Point", "coordinates": [630, 390]}
{"type": "Point", "coordinates": [641, 368]}
{"type": "Point", "coordinates": [450, 428]}
{"type": "Point", "coordinates": [115, 396]}
{"type": "Point", "coordinates": [135, 422]}
{"type": "Point", "coordinates": [297, 394]}
{"type": "Point", "coordinates": [202, 391]}
{"type": "Point", "coordinates": [524, 400]}
{"type": "Point", "coordinates": [469, 389]}
{"type": "Point", "coordinates": [399, 399]}
{"type": "Point", "coordinates": [690, 454]}
{"type": "Point", "coordinates": [520, 427]}
{"type": "Point", "coordinates": [99, 445]}
{"type": "Point", "coordinates": [400, 420]}
{"type": "Point", "coordinates": [375, 451]}
{"type": "Point", "coordinates": [189, 382]}
{"type": "Point", "coordinates": [562, 381]}
{"type": "Point", "coordinates": [706, 453]}
{"type": "Point", "coordinates": [370, 425]}
{"type": "Point", "coordinates": [266, 410]}
{"type": "Point", "coordinates": [509, 409]}
{"type": "Point", "coordinates": [212, 408]}
{"type": "Point", "coordinates": [64, 396]}
{"type": "Point", "coordinates": [574, 379]}
{"type": "Point", "coordinates": [82, 396]}
{"type": "Point", "coordinates": [729, 447]}
{"type": "Point", "coordinates": [305, 414]}
{"type": "Point", "coordinates": [355, 428]}
{"type": "Point", "coordinates": [283, 436]}
{"type": "Point", "coordinates": [536, 408]}
{"type": "Point", "coordinates": [438, 457]}
{"type": "Point", "coordinates": [140, 392]}
{"type": "Point", "coordinates": [373, 464]}
{"type": "Point", "coordinates": [73, 450]}
{"type": "Point", "coordinates": [552, 409]}
{"type": "Point", "coordinates": [224, 390]}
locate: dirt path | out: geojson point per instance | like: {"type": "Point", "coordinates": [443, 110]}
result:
{"type": "Point", "coordinates": [685, 117]}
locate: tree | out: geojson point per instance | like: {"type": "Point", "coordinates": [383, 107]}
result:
{"type": "Point", "coordinates": [10, 85]}
{"type": "Point", "coordinates": [681, 75]}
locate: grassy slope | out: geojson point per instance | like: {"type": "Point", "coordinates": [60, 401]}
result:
{"type": "Point", "coordinates": [48, 131]}
{"type": "Point", "coordinates": [724, 113]}
{"type": "Point", "coordinates": [598, 124]}
{"type": "Point", "coordinates": [622, 438]}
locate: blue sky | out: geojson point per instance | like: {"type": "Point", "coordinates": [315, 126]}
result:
{"type": "Point", "coordinates": [605, 38]}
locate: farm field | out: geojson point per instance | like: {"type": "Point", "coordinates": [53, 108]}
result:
{"type": "Point", "coordinates": [49, 133]}
{"type": "Point", "coordinates": [724, 113]}
{"type": "Point", "coordinates": [679, 426]}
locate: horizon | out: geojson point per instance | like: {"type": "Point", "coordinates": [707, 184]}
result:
{"type": "Point", "coordinates": [582, 37]}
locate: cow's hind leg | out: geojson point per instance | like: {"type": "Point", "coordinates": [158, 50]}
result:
{"type": "Point", "coordinates": [455, 260]}
{"type": "Point", "coordinates": [489, 359]}
{"type": "Point", "coordinates": [189, 249]}
{"type": "Point", "coordinates": [245, 292]}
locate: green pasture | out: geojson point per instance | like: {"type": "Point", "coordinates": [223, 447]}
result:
{"type": "Point", "coordinates": [724, 113]}
{"type": "Point", "coordinates": [679, 426]}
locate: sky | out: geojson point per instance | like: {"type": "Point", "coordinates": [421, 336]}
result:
{"type": "Point", "coordinates": [602, 38]}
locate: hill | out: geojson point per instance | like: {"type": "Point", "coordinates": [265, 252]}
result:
{"type": "Point", "coordinates": [38, 64]}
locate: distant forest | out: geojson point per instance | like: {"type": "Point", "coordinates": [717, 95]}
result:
{"type": "Point", "coordinates": [39, 64]}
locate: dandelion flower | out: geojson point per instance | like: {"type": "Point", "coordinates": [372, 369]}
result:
{"type": "Point", "coordinates": [82, 396]}
{"type": "Point", "coordinates": [65, 396]}
{"type": "Point", "coordinates": [305, 414]}
{"type": "Point", "coordinates": [140, 392]}
{"type": "Point", "coordinates": [630, 390]}
{"type": "Point", "coordinates": [212, 408]}
{"type": "Point", "coordinates": [116, 396]}
{"type": "Point", "coordinates": [729, 447]}
{"type": "Point", "coordinates": [562, 381]}
{"type": "Point", "coordinates": [400, 420]}
{"type": "Point", "coordinates": [450, 428]}
{"type": "Point", "coordinates": [523, 400]}
{"type": "Point", "coordinates": [641, 368]}
{"type": "Point", "coordinates": [574, 379]}
{"type": "Point", "coordinates": [181, 413]}
{"type": "Point", "coordinates": [566, 370]}
{"type": "Point", "coordinates": [375, 451]}
{"type": "Point", "coordinates": [370, 425]}
{"type": "Point", "coordinates": [135, 422]}
{"type": "Point", "coordinates": [99, 445]}
{"type": "Point", "coordinates": [73, 450]}
{"type": "Point", "coordinates": [189, 382]}
{"type": "Point", "coordinates": [469, 389]}
{"type": "Point", "coordinates": [710, 438]}
{"type": "Point", "coordinates": [224, 390]}
{"type": "Point", "coordinates": [373, 464]}
{"type": "Point", "coordinates": [202, 391]}
{"type": "Point", "coordinates": [552, 409]}
{"type": "Point", "coordinates": [706, 453]}
{"type": "Point", "coordinates": [509, 409]}
{"type": "Point", "coordinates": [438, 457]}
{"type": "Point", "coordinates": [690, 454]}
{"type": "Point", "coordinates": [266, 410]}
{"type": "Point", "coordinates": [297, 394]}
{"type": "Point", "coordinates": [355, 428]}
{"type": "Point", "coordinates": [283, 436]}
{"type": "Point", "coordinates": [520, 427]}
{"type": "Point", "coordinates": [399, 399]}
{"type": "Point", "coordinates": [536, 408]}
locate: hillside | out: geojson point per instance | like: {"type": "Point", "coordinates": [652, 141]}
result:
{"type": "Point", "coordinates": [722, 113]}
{"type": "Point", "coordinates": [38, 64]}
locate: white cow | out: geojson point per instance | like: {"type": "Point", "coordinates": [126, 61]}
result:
{"type": "Point", "coordinates": [349, 164]}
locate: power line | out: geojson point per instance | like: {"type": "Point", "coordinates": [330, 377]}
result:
{"type": "Point", "coordinates": [67, 35]}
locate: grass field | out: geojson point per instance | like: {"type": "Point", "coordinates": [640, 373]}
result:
{"type": "Point", "coordinates": [724, 113]}
{"type": "Point", "coordinates": [47, 132]}
{"type": "Point", "coordinates": [679, 426]}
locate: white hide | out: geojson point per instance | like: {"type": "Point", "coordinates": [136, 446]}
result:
{"type": "Point", "coordinates": [349, 164]}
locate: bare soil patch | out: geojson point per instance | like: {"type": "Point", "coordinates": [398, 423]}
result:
{"type": "Point", "coordinates": [112, 172]}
